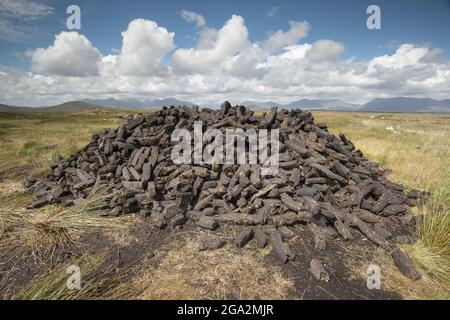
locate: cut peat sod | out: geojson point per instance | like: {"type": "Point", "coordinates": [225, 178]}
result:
{"type": "Point", "coordinates": [322, 182]}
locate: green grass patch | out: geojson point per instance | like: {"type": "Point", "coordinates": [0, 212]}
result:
{"type": "Point", "coordinates": [382, 158]}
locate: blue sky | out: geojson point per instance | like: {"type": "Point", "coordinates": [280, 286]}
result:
{"type": "Point", "coordinates": [419, 23]}
{"type": "Point", "coordinates": [415, 21]}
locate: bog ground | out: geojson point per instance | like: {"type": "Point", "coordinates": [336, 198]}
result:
{"type": "Point", "coordinates": [122, 258]}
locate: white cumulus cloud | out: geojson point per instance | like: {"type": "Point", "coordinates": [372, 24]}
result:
{"type": "Point", "coordinates": [227, 41]}
{"type": "Point", "coordinates": [280, 39]}
{"type": "Point", "coordinates": [144, 45]}
{"type": "Point", "coordinates": [71, 54]}
{"type": "Point", "coordinates": [325, 50]}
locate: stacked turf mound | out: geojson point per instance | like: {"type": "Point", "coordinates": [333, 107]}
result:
{"type": "Point", "coordinates": [322, 182]}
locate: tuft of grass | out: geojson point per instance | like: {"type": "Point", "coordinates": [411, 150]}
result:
{"type": "Point", "coordinates": [358, 261]}
{"type": "Point", "coordinates": [66, 147]}
{"type": "Point", "coordinates": [382, 157]}
{"type": "Point", "coordinates": [41, 230]}
{"type": "Point", "coordinates": [433, 228]}
{"type": "Point", "coordinates": [54, 285]}
{"type": "Point", "coordinates": [431, 251]}
{"type": "Point", "coordinates": [433, 264]}
{"type": "Point", "coordinates": [33, 149]}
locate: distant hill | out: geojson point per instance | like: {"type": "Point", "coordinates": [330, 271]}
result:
{"type": "Point", "coordinates": [260, 105]}
{"type": "Point", "coordinates": [72, 106]}
{"type": "Point", "coordinates": [79, 106]}
{"type": "Point", "coordinates": [7, 108]}
{"type": "Point", "coordinates": [134, 103]}
{"type": "Point", "coordinates": [402, 104]}
{"type": "Point", "coordinates": [399, 104]}
{"type": "Point", "coordinates": [69, 107]}
{"type": "Point", "coordinates": [329, 104]}
{"type": "Point", "coordinates": [307, 104]}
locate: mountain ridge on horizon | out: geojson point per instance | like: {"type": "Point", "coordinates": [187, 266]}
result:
{"type": "Point", "coordinates": [396, 104]}
{"type": "Point", "coordinates": [69, 106]}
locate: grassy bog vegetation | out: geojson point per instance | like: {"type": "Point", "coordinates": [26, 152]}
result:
{"type": "Point", "coordinates": [414, 148]}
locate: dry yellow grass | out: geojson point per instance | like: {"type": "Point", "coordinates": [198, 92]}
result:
{"type": "Point", "coordinates": [53, 286]}
{"type": "Point", "coordinates": [184, 272]}
{"type": "Point", "coordinates": [41, 230]}
{"type": "Point", "coordinates": [391, 279]}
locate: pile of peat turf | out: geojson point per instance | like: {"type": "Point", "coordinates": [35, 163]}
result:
{"type": "Point", "coordinates": [322, 182]}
